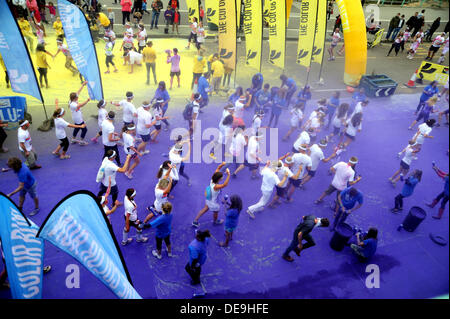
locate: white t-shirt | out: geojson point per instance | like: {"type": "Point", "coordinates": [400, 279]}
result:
{"type": "Point", "coordinates": [337, 122]}
{"type": "Point", "coordinates": [194, 28]}
{"type": "Point", "coordinates": [77, 116]}
{"type": "Point", "coordinates": [128, 141]}
{"type": "Point", "coordinates": [24, 136]}
{"type": "Point", "coordinates": [253, 147]}
{"type": "Point", "coordinates": [424, 129]}
{"type": "Point", "coordinates": [173, 174]}
{"type": "Point", "coordinates": [110, 170]}
{"type": "Point", "coordinates": [144, 118]}
{"type": "Point", "coordinates": [438, 41]}
{"type": "Point", "coordinates": [102, 113]}
{"type": "Point", "coordinates": [107, 128]}
{"type": "Point", "coordinates": [135, 57]}
{"type": "Point", "coordinates": [336, 38]}
{"type": "Point", "coordinates": [60, 128]}
{"type": "Point", "coordinates": [200, 35]}
{"type": "Point", "coordinates": [344, 174]}
{"type": "Point", "coordinates": [160, 199]}
{"type": "Point", "coordinates": [270, 179]}
{"type": "Point", "coordinates": [157, 113]}
{"type": "Point", "coordinates": [296, 117]}
{"type": "Point", "coordinates": [256, 125]}
{"type": "Point", "coordinates": [237, 144]}
{"type": "Point", "coordinates": [141, 38]}
{"type": "Point", "coordinates": [130, 209]}
{"type": "Point", "coordinates": [280, 173]}
{"type": "Point", "coordinates": [299, 159]}
{"type": "Point", "coordinates": [358, 109]}
{"type": "Point", "coordinates": [128, 110]}
{"type": "Point", "coordinates": [316, 156]}
{"type": "Point", "coordinates": [176, 159]}
{"type": "Point", "coordinates": [239, 109]}
{"type": "Point", "coordinates": [351, 130]}
{"type": "Point", "coordinates": [302, 139]}
{"type": "Point", "coordinates": [409, 155]}
{"type": "Point", "coordinates": [315, 124]}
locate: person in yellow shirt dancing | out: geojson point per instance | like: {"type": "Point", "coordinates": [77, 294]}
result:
{"type": "Point", "coordinates": [218, 70]}
{"type": "Point", "coordinates": [199, 66]}
{"type": "Point", "coordinates": [27, 33]}
{"type": "Point", "coordinates": [57, 25]}
{"type": "Point", "coordinates": [149, 55]}
{"type": "Point", "coordinates": [42, 64]}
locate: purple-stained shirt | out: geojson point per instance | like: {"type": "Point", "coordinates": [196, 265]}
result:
{"type": "Point", "coordinates": [175, 60]}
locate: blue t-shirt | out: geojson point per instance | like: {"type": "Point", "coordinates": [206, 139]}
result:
{"type": "Point", "coordinates": [333, 104]}
{"type": "Point", "coordinates": [369, 247]}
{"type": "Point", "coordinates": [202, 86]}
{"type": "Point", "coordinates": [197, 250]}
{"type": "Point", "coordinates": [233, 98]}
{"type": "Point", "coordinates": [257, 80]}
{"type": "Point", "coordinates": [303, 96]}
{"type": "Point", "coordinates": [408, 187]}
{"type": "Point", "coordinates": [163, 95]}
{"type": "Point", "coordinates": [358, 97]}
{"type": "Point", "coordinates": [291, 84]}
{"type": "Point", "coordinates": [163, 225]}
{"type": "Point", "coordinates": [446, 185]}
{"type": "Point", "coordinates": [428, 92]}
{"type": "Point", "coordinates": [262, 97]}
{"type": "Point", "coordinates": [348, 201]}
{"type": "Point", "coordinates": [231, 218]}
{"type": "Point", "coordinates": [26, 177]}
{"type": "Point", "coordinates": [277, 105]}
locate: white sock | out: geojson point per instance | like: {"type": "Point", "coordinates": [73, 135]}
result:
{"type": "Point", "coordinates": [125, 235]}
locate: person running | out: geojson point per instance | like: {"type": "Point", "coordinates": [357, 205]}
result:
{"type": "Point", "coordinates": [396, 44]}
{"type": "Point", "coordinates": [129, 110]}
{"type": "Point", "coordinates": [344, 176]}
{"type": "Point", "coordinates": [407, 190]}
{"type": "Point", "coordinates": [315, 152]}
{"type": "Point", "coordinates": [410, 154]}
{"type": "Point", "coordinates": [149, 57]}
{"type": "Point", "coordinates": [157, 115]}
{"type": "Point", "coordinates": [417, 40]}
{"type": "Point", "coordinates": [60, 125]}
{"type": "Point", "coordinates": [27, 184]}
{"type": "Point", "coordinates": [298, 162]}
{"type": "Point", "coordinates": [175, 156]}
{"type": "Point", "coordinates": [107, 174]}
{"type": "Point", "coordinates": [444, 196]}
{"type": "Point", "coordinates": [437, 43]}
{"type": "Point", "coordinates": [339, 120]}
{"type": "Point", "coordinates": [354, 125]}
{"type": "Point", "coordinates": [197, 255]}
{"type": "Point", "coordinates": [77, 115]}
{"type": "Point", "coordinates": [332, 106]}
{"type": "Point", "coordinates": [236, 151]}
{"type": "Point", "coordinates": [212, 194]}
{"type": "Point", "coordinates": [425, 112]}
{"type": "Point", "coordinates": [231, 218]}
{"type": "Point", "coordinates": [423, 132]}
{"type": "Point", "coordinates": [281, 170]}
{"type": "Point", "coordinates": [109, 137]}
{"type": "Point", "coordinates": [428, 92]}
{"type": "Point", "coordinates": [25, 146]}
{"type": "Point", "coordinates": [200, 36]}
{"type": "Point", "coordinates": [175, 66]}
{"type": "Point", "coordinates": [42, 64]}
{"type": "Point", "coordinates": [102, 114]}
{"type": "Point", "coordinates": [296, 119]}
{"type": "Point", "coordinates": [129, 146]}
{"type": "Point", "coordinates": [253, 156]}
{"type": "Point", "coordinates": [144, 123]}
{"type": "Point", "coordinates": [269, 181]}
{"type": "Point", "coordinates": [131, 219]}
{"type": "Point", "coordinates": [334, 42]}
{"type": "Point", "coordinates": [346, 202]}
{"type": "Point", "coordinates": [303, 232]}
{"type": "Point", "coordinates": [193, 34]}
{"type": "Point", "coordinates": [65, 51]}
{"type": "Point", "coordinates": [109, 55]}
{"type": "Point", "coordinates": [161, 93]}
{"type": "Point", "coordinates": [303, 139]}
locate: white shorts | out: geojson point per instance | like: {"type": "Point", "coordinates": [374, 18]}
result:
{"type": "Point", "coordinates": [213, 206]}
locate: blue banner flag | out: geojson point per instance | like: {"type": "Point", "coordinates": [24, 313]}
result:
{"type": "Point", "coordinates": [79, 226]}
{"type": "Point", "coordinates": [81, 46]}
{"type": "Point", "coordinates": [15, 55]}
{"type": "Point", "coordinates": [24, 253]}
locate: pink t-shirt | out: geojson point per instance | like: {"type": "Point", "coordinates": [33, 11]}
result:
{"type": "Point", "coordinates": [175, 60]}
{"type": "Point", "coordinates": [344, 174]}
{"type": "Point", "coordinates": [126, 5]}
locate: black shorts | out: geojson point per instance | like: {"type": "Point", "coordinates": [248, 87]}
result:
{"type": "Point", "coordinates": [145, 138]}
{"type": "Point", "coordinates": [175, 73]}
{"type": "Point", "coordinates": [434, 49]}
{"type": "Point", "coordinates": [295, 182]}
{"type": "Point", "coordinates": [251, 166]}
{"type": "Point", "coordinates": [311, 173]}
{"type": "Point", "coordinates": [133, 223]}
{"type": "Point", "coordinates": [336, 130]}
{"type": "Point", "coordinates": [281, 191]}
{"type": "Point", "coordinates": [330, 190]}
{"type": "Point", "coordinates": [404, 165]}
{"type": "Point", "coordinates": [350, 137]}
{"type": "Point", "coordinates": [157, 127]}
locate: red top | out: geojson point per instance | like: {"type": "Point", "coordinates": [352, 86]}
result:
{"type": "Point", "coordinates": [126, 5]}
{"type": "Point", "coordinates": [176, 18]}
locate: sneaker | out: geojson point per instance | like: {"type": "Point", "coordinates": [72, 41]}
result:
{"type": "Point", "coordinates": [218, 222]}
{"type": "Point", "coordinates": [252, 216]}
{"type": "Point", "coordinates": [74, 140]}
{"type": "Point", "coordinates": [142, 240]}
{"type": "Point", "coordinates": [195, 224]}
{"type": "Point", "coordinates": [36, 167]}
{"type": "Point", "coordinates": [169, 254]}
{"type": "Point", "coordinates": [130, 176]}
{"type": "Point", "coordinates": [83, 143]}
{"type": "Point", "coordinates": [34, 211]}
{"type": "Point", "coordinates": [47, 269]}
{"type": "Point", "coordinates": [3, 150]}
{"type": "Point", "coordinates": [145, 152]}
{"type": "Point", "coordinates": [155, 253]}
{"type": "Point", "coordinates": [129, 240]}
{"type": "Point", "coordinates": [94, 140]}
{"type": "Point", "coordinates": [288, 258]}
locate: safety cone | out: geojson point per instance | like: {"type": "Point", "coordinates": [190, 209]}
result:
{"type": "Point", "coordinates": [412, 81]}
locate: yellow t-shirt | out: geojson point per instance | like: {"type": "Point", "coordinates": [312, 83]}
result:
{"type": "Point", "coordinates": [58, 27]}
{"type": "Point", "coordinates": [104, 21]}
{"type": "Point", "coordinates": [25, 27]}
{"type": "Point", "coordinates": [199, 66]}
{"type": "Point", "coordinates": [210, 58]}
{"type": "Point", "coordinates": [218, 69]}
{"type": "Point", "coordinates": [149, 55]}
{"type": "Point", "coordinates": [41, 59]}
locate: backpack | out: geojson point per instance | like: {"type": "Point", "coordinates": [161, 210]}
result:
{"type": "Point", "coordinates": [208, 193]}
{"type": "Point", "coordinates": [187, 113]}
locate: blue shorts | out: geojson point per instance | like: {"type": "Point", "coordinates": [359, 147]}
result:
{"type": "Point", "coordinates": [295, 182]}
{"type": "Point", "coordinates": [281, 191]}
{"type": "Point", "coordinates": [251, 166]}
{"type": "Point", "coordinates": [404, 165]}
{"type": "Point", "coordinates": [311, 173]}
{"type": "Point", "coordinates": [230, 230]}
{"type": "Point", "coordinates": [145, 138]}
{"type": "Point", "coordinates": [31, 191]}
{"type": "Point", "coordinates": [350, 137]}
